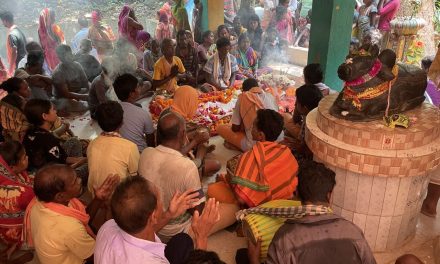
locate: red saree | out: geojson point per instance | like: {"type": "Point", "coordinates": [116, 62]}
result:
{"type": "Point", "coordinates": [50, 36]}
{"type": "Point", "coordinates": [15, 194]}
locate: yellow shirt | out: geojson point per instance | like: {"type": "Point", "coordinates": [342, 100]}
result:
{"type": "Point", "coordinates": [59, 239]}
{"type": "Point", "coordinates": [162, 69]}
{"type": "Point", "coordinates": [111, 155]}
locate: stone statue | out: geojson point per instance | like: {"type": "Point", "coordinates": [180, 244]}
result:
{"type": "Point", "coordinates": [374, 82]}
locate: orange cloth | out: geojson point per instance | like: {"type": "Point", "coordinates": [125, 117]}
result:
{"type": "Point", "coordinates": [265, 173]}
{"type": "Point", "coordinates": [102, 38]}
{"type": "Point", "coordinates": [250, 102]}
{"type": "Point", "coordinates": [185, 102]}
{"type": "Point", "coordinates": [76, 209]}
{"type": "Point", "coordinates": [222, 192]}
{"type": "Point", "coordinates": [50, 36]}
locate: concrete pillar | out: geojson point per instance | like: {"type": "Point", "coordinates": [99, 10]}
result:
{"type": "Point", "coordinates": [213, 14]}
{"type": "Point", "coordinates": [330, 37]}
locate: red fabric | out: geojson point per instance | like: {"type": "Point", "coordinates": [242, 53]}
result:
{"type": "Point", "coordinates": [387, 13]}
{"type": "Point", "coordinates": [15, 194]}
{"type": "Point", "coordinates": [48, 39]}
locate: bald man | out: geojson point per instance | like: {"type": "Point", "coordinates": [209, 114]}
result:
{"type": "Point", "coordinates": [164, 76]}
{"type": "Point", "coordinates": [57, 222]}
{"type": "Point", "coordinates": [171, 171]}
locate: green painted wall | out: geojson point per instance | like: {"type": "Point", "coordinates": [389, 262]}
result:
{"type": "Point", "coordinates": [330, 37]}
{"type": "Point", "coordinates": [205, 22]}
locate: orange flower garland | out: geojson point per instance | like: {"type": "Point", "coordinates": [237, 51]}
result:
{"type": "Point", "coordinates": [159, 103]}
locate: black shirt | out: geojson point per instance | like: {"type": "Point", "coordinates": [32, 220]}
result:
{"type": "Point", "coordinates": [17, 39]}
{"type": "Point", "coordinates": [42, 147]}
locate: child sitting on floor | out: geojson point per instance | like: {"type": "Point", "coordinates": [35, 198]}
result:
{"type": "Point", "coordinates": [43, 147]}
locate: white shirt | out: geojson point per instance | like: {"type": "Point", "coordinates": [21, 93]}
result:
{"type": "Point", "coordinates": [115, 246]}
{"type": "Point", "coordinates": [170, 171]}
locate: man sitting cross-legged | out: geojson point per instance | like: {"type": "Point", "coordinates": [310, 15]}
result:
{"type": "Point", "coordinates": [57, 223]}
{"type": "Point", "coordinates": [70, 82]}
{"type": "Point", "coordinates": [138, 214]}
{"type": "Point", "coordinates": [266, 172]}
{"type": "Point", "coordinates": [239, 134]}
{"type": "Point", "coordinates": [319, 236]}
{"type": "Point", "coordinates": [109, 153]}
{"type": "Point", "coordinates": [171, 171]}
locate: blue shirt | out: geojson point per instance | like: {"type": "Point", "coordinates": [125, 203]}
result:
{"type": "Point", "coordinates": [137, 123]}
{"type": "Point", "coordinates": [82, 34]}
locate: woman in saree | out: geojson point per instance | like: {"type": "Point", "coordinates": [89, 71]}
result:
{"type": "Point", "coordinates": [180, 16]}
{"type": "Point", "coordinates": [185, 104]}
{"type": "Point", "coordinates": [163, 28]}
{"type": "Point", "coordinates": [101, 35]}
{"type": "Point", "coordinates": [247, 58]}
{"type": "Point", "coordinates": [50, 36]}
{"type": "Point", "coordinates": [16, 192]}
{"type": "Point", "coordinates": [207, 48]}
{"type": "Point", "coordinates": [255, 33]}
{"type": "Point", "coordinates": [13, 120]}
{"type": "Point", "coordinates": [283, 23]}
{"type": "Point", "coordinates": [142, 41]}
{"type": "Point", "coordinates": [128, 25]}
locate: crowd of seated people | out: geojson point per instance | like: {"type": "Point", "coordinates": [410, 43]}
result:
{"type": "Point", "coordinates": [136, 193]}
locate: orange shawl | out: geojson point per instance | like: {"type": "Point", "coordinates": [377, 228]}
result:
{"type": "Point", "coordinates": [76, 209]}
{"type": "Point", "coordinates": [185, 102]}
{"type": "Point", "coordinates": [267, 172]}
{"type": "Point", "coordinates": [249, 104]}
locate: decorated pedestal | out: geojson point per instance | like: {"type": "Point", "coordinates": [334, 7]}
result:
{"type": "Point", "coordinates": [381, 173]}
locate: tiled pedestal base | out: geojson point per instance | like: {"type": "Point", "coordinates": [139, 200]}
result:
{"type": "Point", "coordinates": [381, 173]}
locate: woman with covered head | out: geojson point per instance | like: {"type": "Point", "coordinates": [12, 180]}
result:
{"type": "Point", "coordinates": [14, 122]}
{"type": "Point", "coordinates": [50, 36]}
{"type": "Point", "coordinates": [101, 35]}
{"type": "Point", "coordinates": [128, 25]}
{"type": "Point", "coordinates": [16, 192]}
{"type": "Point", "coordinates": [142, 42]}
{"type": "Point", "coordinates": [164, 28]}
